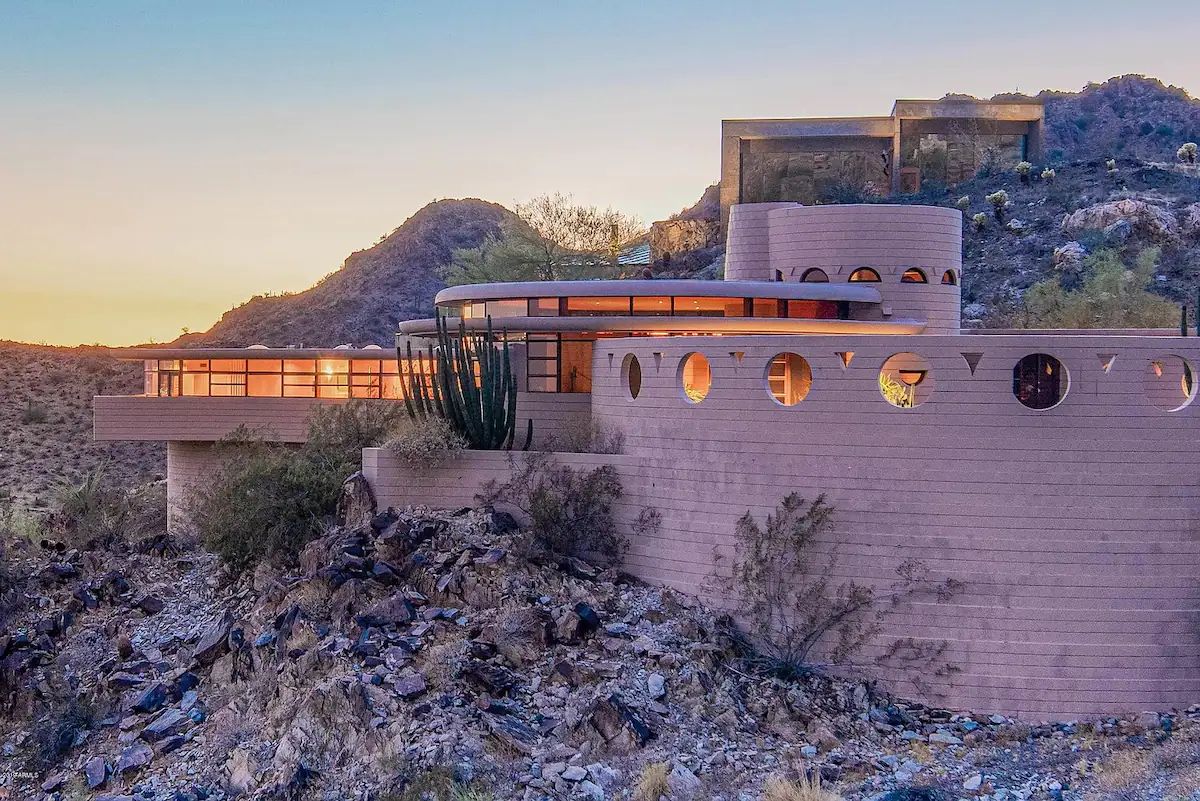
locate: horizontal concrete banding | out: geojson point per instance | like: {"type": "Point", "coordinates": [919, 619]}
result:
{"type": "Point", "coordinates": [1072, 529]}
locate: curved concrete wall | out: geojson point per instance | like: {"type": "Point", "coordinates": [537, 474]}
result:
{"type": "Point", "coordinates": [768, 237]}
{"type": "Point", "coordinates": [1073, 529]}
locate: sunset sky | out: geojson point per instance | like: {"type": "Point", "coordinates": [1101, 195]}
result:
{"type": "Point", "coordinates": [161, 162]}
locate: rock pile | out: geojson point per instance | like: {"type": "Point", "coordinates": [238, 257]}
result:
{"type": "Point", "coordinates": [415, 656]}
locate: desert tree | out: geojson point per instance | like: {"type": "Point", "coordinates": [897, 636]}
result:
{"type": "Point", "coordinates": [551, 238]}
{"type": "Point", "coordinates": [1187, 152]}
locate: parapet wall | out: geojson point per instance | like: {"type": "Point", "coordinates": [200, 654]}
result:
{"type": "Point", "coordinates": [1072, 528]}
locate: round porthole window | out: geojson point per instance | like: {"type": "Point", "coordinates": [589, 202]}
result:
{"type": "Point", "coordinates": [1169, 383]}
{"type": "Point", "coordinates": [789, 378]}
{"type": "Point", "coordinates": [1040, 381]}
{"type": "Point", "coordinates": [631, 375]}
{"type": "Point", "coordinates": [695, 377]}
{"type": "Point", "coordinates": [905, 380]}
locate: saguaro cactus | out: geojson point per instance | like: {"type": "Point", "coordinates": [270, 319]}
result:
{"type": "Point", "coordinates": [470, 384]}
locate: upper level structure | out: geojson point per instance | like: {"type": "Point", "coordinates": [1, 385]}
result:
{"type": "Point", "coordinates": [805, 159]}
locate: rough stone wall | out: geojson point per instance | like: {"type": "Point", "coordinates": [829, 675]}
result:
{"type": "Point", "coordinates": [804, 171]}
{"type": "Point", "coordinates": [679, 236]}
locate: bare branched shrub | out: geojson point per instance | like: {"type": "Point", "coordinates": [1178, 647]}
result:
{"type": "Point", "coordinates": [569, 512]}
{"type": "Point", "coordinates": [789, 605]}
{"type": "Point", "coordinates": [586, 436]}
{"type": "Point", "coordinates": [425, 443]}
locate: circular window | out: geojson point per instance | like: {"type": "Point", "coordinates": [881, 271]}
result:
{"type": "Point", "coordinates": [631, 375]}
{"type": "Point", "coordinates": [1040, 381]}
{"type": "Point", "coordinates": [789, 378]}
{"type": "Point", "coordinates": [905, 380]}
{"type": "Point", "coordinates": [695, 377]}
{"type": "Point", "coordinates": [913, 276]}
{"type": "Point", "coordinates": [949, 278]}
{"type": "Point", "coordinates": [1169, 383]}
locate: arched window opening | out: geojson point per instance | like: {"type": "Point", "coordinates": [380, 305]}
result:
{"type": "Point", "coordinates": [789, 378]}
{"type": "Point", "coordinates": [779, 275]}
{"type": "Point", "coordinates": [695, 377]}
{"type": "Point", "coordinates": [1040, 381]}
{"type": "Point", "coordinates": [631, 375]}
{"type": "Point", "coordinates": [905, 380]}
{"type": "Point", "coordinates": [815, 275]}
{"type": "Point", "coordinates": [864, 275]}
{"type": "Point", "coordinates": [913, 276]}
{"type": "Point", "coordinates": [949, 278]}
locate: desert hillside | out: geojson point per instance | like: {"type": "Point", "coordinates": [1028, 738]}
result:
{"type": "Point", "coordinates": [376, 288]}
{"type": "Point", "coordinates": [46, 421]}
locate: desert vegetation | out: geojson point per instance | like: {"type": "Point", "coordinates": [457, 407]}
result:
{"type": "Point", "coordinates": [268, 500]}
{"type": "Point", "coordinates": [1108, 292]}
{"type": "Point", "coordinates": [552, 239]}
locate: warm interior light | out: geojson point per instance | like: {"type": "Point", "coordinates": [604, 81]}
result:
{"type": "Point", "coordinates": [1158, 369]}
{"type": "Point", "coordinates": [911, 377]}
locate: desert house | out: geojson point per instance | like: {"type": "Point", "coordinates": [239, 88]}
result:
{"type": "Point", "coordinates": [1048, 472]}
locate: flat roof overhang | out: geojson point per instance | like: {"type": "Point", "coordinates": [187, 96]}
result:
{"type": "Point", "coordinates": [252, 353]}
{"type": "Point", "coordinates": [787, 290]}
{"type": "Point", "coordinates": [663, 326]}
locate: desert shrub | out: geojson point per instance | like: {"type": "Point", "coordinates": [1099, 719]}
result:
{"type": "Point", "coordinates": [587, 436]}
{"type": "Point", "coordinates": [1110, 165]}
{"type": "Point", "coordinates": [54, 737]}
{"type": "Point", "coordinates": [803, 789]}
{"type": "Point", "coordinates": [34, 414]}
{"type": "Point", "coordinates": [963, 203]}
{"type": "Point", "coordinates": [338, 433]}
{"type": "Point", "coordinates": [1023, 169]}
{"type": "Point", "coordinates": [268, 500]}
{"type": "Point", "coordinates": [789, 605]}
{"type": "Point", "coordinates": [568, 512]}
{"type": "Point", "coordinates": [999, 201]}
{"type": "Point", "coordinates": [1112, 295]}
{"type": "Point", "coordinates": [1048, 175]}
{"type": "Point", "coordinates": [1187, 152]}
{"type": "Point", "coordinates": [979, 220]}
{"type": "Point", "coordinates": [652, 783]}
{"type": "Point", "coordinates": [425, 443]}
{"type": "Point", "coordinates": [92, 512]}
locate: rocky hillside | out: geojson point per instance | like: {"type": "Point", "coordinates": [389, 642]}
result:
{"type": "Point", "coordinates": [46, 421]}
{"type": "Point", "coordinates": [416, 656]}
{"type": "Point", "coordinates": [362, 302]}
{"type": "Point", "coordinates": [1130, 116]}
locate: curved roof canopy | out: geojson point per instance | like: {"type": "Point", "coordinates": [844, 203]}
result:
{"type": "Point", "coordinates": [787, 290]}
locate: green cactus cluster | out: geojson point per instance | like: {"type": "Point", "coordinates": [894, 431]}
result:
{"type": "Point", "coordinates": [472, 386]}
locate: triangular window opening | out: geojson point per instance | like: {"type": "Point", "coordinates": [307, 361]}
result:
{"type": "Point", "coordinates": [972, 360]}
{"type": "Point", "coordinates": [846, 356]}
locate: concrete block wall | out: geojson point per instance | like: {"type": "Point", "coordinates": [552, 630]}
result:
{"type": "Point", "coordinates": [1073, 529]}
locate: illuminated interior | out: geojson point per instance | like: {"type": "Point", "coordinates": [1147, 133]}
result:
{"type": "Point", "coordinates": [653, 306]}
{"type": "Point", "coordinates": [695, 376]}
{"type": "Point", "coordinates": [789, 378]}
{"type": "Point", "coordinates": [279, 378]}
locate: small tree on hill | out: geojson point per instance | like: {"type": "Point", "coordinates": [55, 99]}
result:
{"type": "Point", "coordinates": [553, 239]}
{"type": "Point", "coordinates": [1023, 169]}
{"type": "Point", "coordinates": [1187, 152]}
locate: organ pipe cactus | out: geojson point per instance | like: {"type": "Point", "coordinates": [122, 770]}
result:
{"type": "Point", "coordinates": [469, 383]}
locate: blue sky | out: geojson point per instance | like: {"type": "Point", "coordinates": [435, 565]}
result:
{"type": "Point", "coordinates": [160, 162]}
